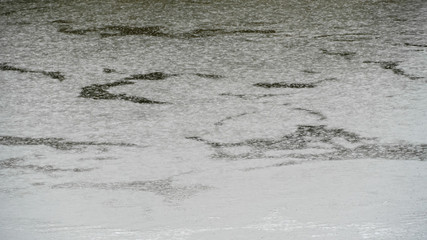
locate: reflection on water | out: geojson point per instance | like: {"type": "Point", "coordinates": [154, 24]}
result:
{"type": "Point", "coordinates": [146, 117]}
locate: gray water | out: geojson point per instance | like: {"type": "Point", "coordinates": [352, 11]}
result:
{"type": "Point", "coordinates": [137, 119]}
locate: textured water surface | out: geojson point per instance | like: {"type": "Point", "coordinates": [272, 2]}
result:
{"type": "Point", "coordinates": [198, 119]}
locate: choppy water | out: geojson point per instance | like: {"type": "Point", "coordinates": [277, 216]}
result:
{"type": "Point", "coordinates": [117, 117]}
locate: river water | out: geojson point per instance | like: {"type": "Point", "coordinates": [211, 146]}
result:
{"type": "Point", "coordinates": [200, 119]}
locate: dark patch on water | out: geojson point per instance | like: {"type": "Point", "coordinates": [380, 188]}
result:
{"type": "Point", "coordinates": [213, 144]}
{"type": "Point", "coordinates": [222, 121]}
{"type": "Point", "coordinates": [309, 71]}
{"type": "Point", "coordinates": [254, 31]}
{"type": "Point", "coordinates": [400, 19]}
{"type": "Point", "coordinates": [251, 96]}
{"type": "Point", "coordinates": [351, 39]}
{"type": "Point", "coordinates": [62, 21]}
{"type": "Point", "coordinates": [285, 85]}
{"type": "Point", "coordinates": [10, 162]}
{"type": "Point", "coordinates": [150, 76]}
{"type": "Point", "coordinates": [163, 187]}
{"type": "Point", "coordinates": [242, 96]}
{"type": "Point", "coordinates": [5, 67]}
{"type": "Point", "coordinates": [211, 76]}
{"type": "Point", "coordinates": [98, 158]}
{"type": "Point", "coordinates": [391, 151]}
{"type": "Point", "coordinates": [38, 184]}
{"type": "Point", "coordinates": [415, 45]}
{"type": "Point", "coordinates": [108, 70]}
{"type": "Point", "coordinates": [343, 34]}
{"type": "Point", "coordinates": [68, 30]}
{"type": "Point", "coordinates": [163, 76]}
{"type": "Point", "coordinates": [54, 75]}
{"type": "Point", "coordinates": [110, 31]}
{"type": "Point", "coordinates": [58, 143]}
{"type": "Point", "coordinates": [155, 31]}
{"type": "Point", "coordinates": [281, 164]}
{"type": "Point", "coordinates": [334, 144]}
{"type": "Point", "coordinates": [8, 13]}
{"type": "Point", "coordinates": [346, 37]}
{"type": "Point", "coordinates": [198, 2]}
{"type": "Point", "coordinates": [393, 66]}
{"type": "Point", "coordinates": [346, 55]}
{"type": "Point", "coordinates": [99, 91]}
{"type": "Point", "coordinates": [319, 114]}
{"type": "Point", "coordinates": [14, 163]}
{"type": "Point", "coordinates": [21, 10]}
{"type": "Point", "coordinates": [293, 85]}
{"type": "Point", "coordinates": [199, 33]}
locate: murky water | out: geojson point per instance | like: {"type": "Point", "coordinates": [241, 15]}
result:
{"type": "Point", "coordinates": [213, 119]}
